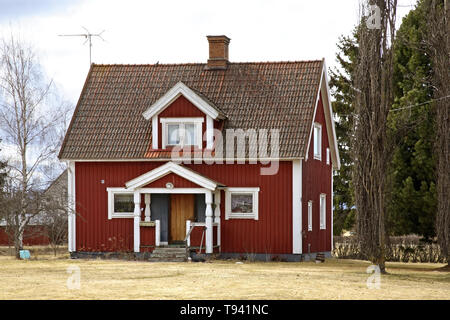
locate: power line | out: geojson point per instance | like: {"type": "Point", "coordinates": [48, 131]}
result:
{"type": "Point", "coordinates": [419, 104]}
{"type": "Point", "coordinates": [402, 108]}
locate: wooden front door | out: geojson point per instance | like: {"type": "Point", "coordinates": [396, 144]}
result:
{"type": "Point", "coordinates": [181, 209]}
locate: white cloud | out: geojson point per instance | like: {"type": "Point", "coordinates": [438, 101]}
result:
{"type": "Point", "coordinates": [174, 31]}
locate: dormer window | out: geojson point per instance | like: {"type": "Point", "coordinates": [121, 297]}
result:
{"type": "Point", "coordinates": [181, 132]}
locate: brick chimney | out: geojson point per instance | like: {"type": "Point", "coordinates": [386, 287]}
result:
{"type": "Point", "coordinates": [218, 52]}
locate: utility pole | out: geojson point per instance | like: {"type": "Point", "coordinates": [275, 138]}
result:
{"type": "Point", "coordinates": [88, 36]}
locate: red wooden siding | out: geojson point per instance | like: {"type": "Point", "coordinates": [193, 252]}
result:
{"type": "Point", "coordinates": [196, 238]}
{"type": "Point", "coordinates": [147, 238]}
{"type": "Point", "coordinates": [181, 107]}
{"type": "Point", "coordinates": [316, 180]}
{"type": "Point", "coordinates": [272, 233]}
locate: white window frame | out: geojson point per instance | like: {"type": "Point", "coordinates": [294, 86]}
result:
{"type": "Point", "coordinates": [317, 156]}
{"type": "Point", "coordinates": [249, 215]}
{"type": "Point", "coordinates": [182, 122]}
{"type": "Point", "coordinates": [323, 211]}
{"type": "Point", "coordinates": [328, 156]}
{"type": "Point", "coordinates": [111, 213]}
{"type": "Point", "coordinates": [310, 204]}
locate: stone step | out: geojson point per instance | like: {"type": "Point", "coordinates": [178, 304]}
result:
{"type": "Point", "coordinates": [167, 260]}
{"type": "Point", "coordinates": [169, 250]}
{"type": "Point", "coordinates": [168, 254]}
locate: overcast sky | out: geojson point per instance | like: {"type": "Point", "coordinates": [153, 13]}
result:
{"type": "Point", "coordinates": [175, 31]}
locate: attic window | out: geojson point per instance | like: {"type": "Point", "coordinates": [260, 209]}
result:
{"type": "Point", "coordinates": [317, 141]}
{"type": "Point", "coordinates": [181, 132]}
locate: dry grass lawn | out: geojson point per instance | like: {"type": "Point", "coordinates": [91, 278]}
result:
{"type": "Point", "coordinates": [45, 277]}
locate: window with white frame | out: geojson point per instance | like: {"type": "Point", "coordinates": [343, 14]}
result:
{"type": "Point", "coordinates": [323, 210]}
{"type": "Point", "coordinates": [241, 203]}
{"type": "Point", "coordinates": [181, 132]}
{"type": "Point", "coordinates": [317, 141]}
{"type": "Point", "coordinates": [120, 203]}
{"type": "Point", "coordinates": [310, 215]}
{"type": "Point", "coordinates": [328, 155]}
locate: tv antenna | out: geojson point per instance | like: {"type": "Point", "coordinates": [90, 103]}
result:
{"type": "Point", "coordinates": [88, 36]}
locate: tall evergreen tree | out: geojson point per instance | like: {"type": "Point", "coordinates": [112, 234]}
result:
{"type": "Point", "coordinates": [343, 93]}
{"type": "Point", "coordinates": [413, 204]}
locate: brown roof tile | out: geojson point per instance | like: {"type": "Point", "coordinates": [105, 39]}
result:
{"type": "Point", "coordinates": [108, 122]}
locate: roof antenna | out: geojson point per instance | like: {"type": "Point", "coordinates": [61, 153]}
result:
{"type": "Point", "coordinates": [88, 37]}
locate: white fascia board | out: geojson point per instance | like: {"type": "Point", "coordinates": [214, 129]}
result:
{"type": "Point", "coordinates": [165, 169]}
{"type": "Point", "coordinates": [326, 98]}
{"type": "Point", "coordinates": [333, 138]}
{"type": "Point", "coordinates": [180, 89]}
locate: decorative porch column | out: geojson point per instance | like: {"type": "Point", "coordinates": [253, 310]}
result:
{"type": "Point", "coordinates": [217, 214]}
{"type": "Point", "coordinates": [137, 220]}
{"type": "Point", "coordinates": [148, 213]}
{"type": "Point", "coordinates": [209, 222]}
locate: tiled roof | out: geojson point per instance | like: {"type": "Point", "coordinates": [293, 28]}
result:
{"type": "Point", "coordinates": [108, 122]}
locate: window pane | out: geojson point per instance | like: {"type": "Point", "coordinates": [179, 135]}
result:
{"type": "Point", "coordinates": [123, 203]}
{"type": "Point", "coordinates": [173, 133]}
{"type": "Point", "coordinates": [189, 139]}
{"type": "Point", "coordinates": [242, 203]}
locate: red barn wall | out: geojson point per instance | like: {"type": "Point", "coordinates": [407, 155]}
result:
{"type": "Point", "coordinates": [33, 236]}
{"type": "Point", "coordinates": [272, 233]}
{"type": "Point", "coordinates": [316, 180]}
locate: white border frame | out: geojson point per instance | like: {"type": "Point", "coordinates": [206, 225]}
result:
{"type": "Point", "coordinates": [323, 217]}
{"type": "Point", "coordinates": [310, 215]}
{"type": "Point", "coordinates": [182, 121]}
{"type": "Point", "coordinates": [255, 205]}
{"type": "Point", "coordinates": [177, 90]}
{"type": "Point", "coordinates": [170, 167]}
{"type": "Point", "coordinates": [111, 213]}
{"type": "Point", "coordinates": [318, 126]}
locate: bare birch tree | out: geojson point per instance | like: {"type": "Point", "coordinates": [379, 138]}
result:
{"type": "Point", "coordinates": [28, 123]}
{"type": "Point", "coordinates": [371, 147]}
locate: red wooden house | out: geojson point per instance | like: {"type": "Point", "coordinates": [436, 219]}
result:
{"type": "Point", "coordinates": [236, 158]}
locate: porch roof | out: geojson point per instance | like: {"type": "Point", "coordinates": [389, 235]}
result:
{"type": "Point", "coordinates": [172, 167]}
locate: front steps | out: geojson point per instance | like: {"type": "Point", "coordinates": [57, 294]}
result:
{"type": "Point", "coordinates": [168, 254]}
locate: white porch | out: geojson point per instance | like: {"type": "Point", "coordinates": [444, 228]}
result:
{"type": "Point", "coordinates": [208, 187]}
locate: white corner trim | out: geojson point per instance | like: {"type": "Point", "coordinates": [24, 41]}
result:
{"type": "Point", "coordinates": [296, 206]}
{"type": "Point", "coordinates": [155, 129]}
{"type": "Point", "coordinates": [209, 132]}
{"type": "Point", "coordinates": [181, 89]}
{"type": "Point", "coordinates": [242, 190]}
{"type": "Point", "coordinates": [71, 202]}
{"type": "Point", "coordinates": [332, 210]}
{"type": "Point", "coordinates": [170, 167]}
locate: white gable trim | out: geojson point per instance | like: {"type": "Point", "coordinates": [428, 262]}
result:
{"type": "Point", "coordinates": [324, 89]}
{"type": "Point", "coordinates": [165, 169]}
{"type": "Point", "coordinates": [170, 96]}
